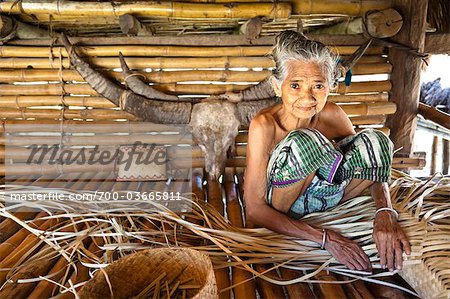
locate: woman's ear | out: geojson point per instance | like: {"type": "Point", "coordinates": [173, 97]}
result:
{"type": "Point", "coordinates": [275, 85]}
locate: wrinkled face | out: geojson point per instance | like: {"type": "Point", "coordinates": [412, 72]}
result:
{"type": "Point", "coordinates": [304, 90]}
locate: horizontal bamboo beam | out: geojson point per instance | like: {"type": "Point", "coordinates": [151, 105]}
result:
{"type": "Point", "coordinates": [29, 75]}
{"type": "Point", "coordinates": [20, 102]}
{"type": "Point", "coordinates": [192, 40]}
{"type": "Point", "coordinates": [153, 9]}
{"type": "Point", "coordinates": [26, 169]}
{"type": "Point", "coordinates": [344, 7]}
{"type": "Point", "coordinates": [196, 89]}
{"type": "Point", "coordinates": [104, 114]}
{"type": "Point", "coordinates": [96, 114]}
{"type": "Point", "coordinates": [160, 51]}
{"type": "Point", "coordinates": [159, 63]}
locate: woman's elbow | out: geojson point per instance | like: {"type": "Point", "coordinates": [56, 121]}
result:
{"type": "Point", "coordinates": [253, 214]}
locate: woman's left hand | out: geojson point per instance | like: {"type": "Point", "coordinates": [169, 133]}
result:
{"type": "Point", "coordinates": [390, 240]}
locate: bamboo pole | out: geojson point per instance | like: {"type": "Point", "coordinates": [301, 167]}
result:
{"type": "Point", "coordinates": [346, 7]}
{"type": "Point", "coordinates": [30, 75]}
{"type": "Point", "coordinates": [161, 51]}
{"type": "Point", "coordinates": [42, 266]}
{"type": "Point", "coordinates": [82, 273]}
{"type": "Point", "coordinates": [215, 199]}
{"type": "Point", "coordinates": [9, 227]}
{"type": "Point", "coordinates": [380, 24]}
{"type": "Point", "coordinates": [356, 289]}
{"type": "Point", "coordinates": [97, 114]}
{"type": "Point", "coordinates": [19, 102]}
{"type": "Point", "coordinates": [9, 245]}
{"type": "Point", "coordinates": [24, 249]}
{"type": "Point", "coordinates": [267, 289]}
{"type": "Point", "coordinates": [329, 290]}
{"type": "Point", "coordinates": [247, 289]}
{"type": "Point", "coordinates": [140, 9]}
{"type": "Point", "coordinates": [434, 154]}
{"type": "Point", "coordinates": [45, 288]}
{"type": "Point", "coordinates": [445, 156]}
{"type": "Point", "coordinates": [155, 62]}
{"type": "Point", "coordinates": [297, 290]}
{"type": "Point", "coordinates": [195, 89]}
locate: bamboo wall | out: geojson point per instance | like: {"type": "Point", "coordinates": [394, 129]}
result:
{"type": "Point", "coordinates": [38, 86]}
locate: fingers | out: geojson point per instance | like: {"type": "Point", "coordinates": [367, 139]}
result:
{"type": "Point", "coordinates": [381, 246]}
{"type": "Point", "coordinates": [398, 255]}
{"type": "Point", "coordinates": [390, 254]}
{"type": "Point", "coordinates": [365, 259]}
{"type": "Point", "coordinates": [405, 243]}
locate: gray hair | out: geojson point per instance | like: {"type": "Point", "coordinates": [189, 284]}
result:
{"type": "Point", "coordinates": [291, 45]}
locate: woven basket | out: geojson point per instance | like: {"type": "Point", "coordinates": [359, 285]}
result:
{"type": "Point", "coordinates": [129, 275]}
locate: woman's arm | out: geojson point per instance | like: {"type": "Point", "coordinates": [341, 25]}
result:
{"type": "Point", "coordinates": [261, 135]}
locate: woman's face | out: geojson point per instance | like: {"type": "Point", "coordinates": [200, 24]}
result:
{"type": "Point", "coordinates": [305, 89]}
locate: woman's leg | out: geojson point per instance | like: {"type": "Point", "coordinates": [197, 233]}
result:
{"type": "Point", "coordinates": [283, 198]}
{"type": "Point", "coordinates": [293, 165]}
{"type": "Point", "coordinates": [368, 161]}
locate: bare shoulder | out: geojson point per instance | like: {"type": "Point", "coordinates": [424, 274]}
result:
{"type": "Point", "coordinates": [335, 122]}
{"type": "Point", "coordinates": [262, 131]}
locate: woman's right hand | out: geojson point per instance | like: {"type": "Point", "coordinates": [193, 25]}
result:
{"type": "Point", "coordinates": [347, 252]}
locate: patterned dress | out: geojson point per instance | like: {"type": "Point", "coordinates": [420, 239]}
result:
{"type": "Point", "coordinates": [366, 155]}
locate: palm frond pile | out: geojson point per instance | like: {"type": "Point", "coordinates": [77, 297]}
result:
{"type": "Point", "coordinates": [61, 245]}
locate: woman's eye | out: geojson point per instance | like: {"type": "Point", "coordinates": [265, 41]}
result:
{"type": "Point", "coordinates": [294, 85]}
{"type": "Point", "coordinates": [319, 86]}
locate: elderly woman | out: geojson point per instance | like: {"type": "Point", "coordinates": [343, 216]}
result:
{"type": "Point", "coordinates": [304, 156]}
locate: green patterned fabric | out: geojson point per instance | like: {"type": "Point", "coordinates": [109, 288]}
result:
{"type": "Point", "coordinates": [366, 155]}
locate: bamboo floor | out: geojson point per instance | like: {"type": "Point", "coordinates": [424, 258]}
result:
{"type": "Point", "coordinates": [226, 197]}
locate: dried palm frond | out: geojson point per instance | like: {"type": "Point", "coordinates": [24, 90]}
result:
{"type": "Point", "coordinates": [124, 228]}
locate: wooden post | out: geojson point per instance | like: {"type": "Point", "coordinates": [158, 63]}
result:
{"type": "Point", "coordinates": [406, 70]}
{"type": "Point", "coordinates": [252, 28]}
{"type": "Point", "coordinates": [445, 155]}
{"type": "Point", "coordinates": [379, 24]}
{"type": "Point", "coordinates": [434, 154]}
{"type": "Point", "coordinates": [130, 25]}
{"type": "Point", "coordinates": [11, 28]}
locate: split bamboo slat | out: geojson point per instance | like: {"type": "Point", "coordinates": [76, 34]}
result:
{"type": "Point", "coordinates": [29, 75]}
{"type": "Point", "coordinates": [245, 284]}
{"type": "Point", "coordinates": [215, 199]}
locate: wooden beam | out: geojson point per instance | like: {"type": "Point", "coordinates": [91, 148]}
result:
{"type": "Point", "coordinates": [434, 155]}
{"type": "Point", "coordinates": [251, 28]}
{"type": "Point", "coordinates": [437, 43]}
{"type": "Point", "coordinates": [406, 69]}
{"type": "Point", "coordinates": [189, 40]}
{"type": "Point", "coordinates": [435, 115]}
{"type": "Point", "coordinates": [130, 25]}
